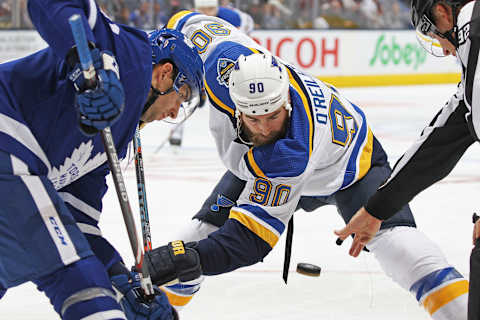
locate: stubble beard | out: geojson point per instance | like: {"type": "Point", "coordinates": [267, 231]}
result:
{"type": "Point", "coordinates": [258, 139]}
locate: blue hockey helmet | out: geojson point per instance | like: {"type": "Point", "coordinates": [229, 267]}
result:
{"type": "Point", "coordinates": [169, 44]}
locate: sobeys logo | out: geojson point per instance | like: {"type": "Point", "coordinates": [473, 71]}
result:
{"type": "Point", "coordinates": [386, 52]}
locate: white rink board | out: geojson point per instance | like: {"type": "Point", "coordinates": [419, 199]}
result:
{"type": "Point", "coordinates": [347, 289]}
{"type": "Point", "coordinates": [320, 52]}
{"type": "Point", "coordinates": [354, 52]}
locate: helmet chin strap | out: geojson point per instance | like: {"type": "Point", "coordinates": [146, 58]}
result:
{"type": "Point", "coordinates": [155, 94]}
{"type": "Point", "coordinates": [287, 107]}
{"type": "Point", "coordinates": [451, 35]}
{"type": "Point", "coordinates": [239, 129]}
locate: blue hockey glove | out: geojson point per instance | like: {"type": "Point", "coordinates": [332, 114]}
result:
{"type": "Point", "coordinates": [134, 303]}
{"type": "Point", "coordinates": [101, 106]}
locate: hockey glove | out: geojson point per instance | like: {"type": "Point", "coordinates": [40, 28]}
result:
{"type": "Point", "coordinates": [101, 106]}
{"type": "Point", "coordinates": [174, 262]}
{"type": "Point", "coordinates": [133, 301]}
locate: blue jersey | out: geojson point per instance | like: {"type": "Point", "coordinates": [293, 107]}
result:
{"type": "Point", "coordinates": [37, 113]}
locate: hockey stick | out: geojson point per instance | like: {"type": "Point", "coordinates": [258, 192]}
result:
{"type": "Point", "coordinates": [142, 193]}
{"type": "Point", "coordinates": [113, 162]}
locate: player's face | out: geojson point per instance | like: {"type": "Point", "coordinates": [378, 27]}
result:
{"type": "Point", "coordinates": [167, 105]}
{"type": "Point", "coordinates": [265, 129]}
{"type": "Point", "coordinates": [443, 23]}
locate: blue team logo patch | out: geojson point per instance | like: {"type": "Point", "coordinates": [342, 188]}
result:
{"type": "Point", "coordinates": [223, 202]}
{"type": "Point", "coordinates": [224, 67]}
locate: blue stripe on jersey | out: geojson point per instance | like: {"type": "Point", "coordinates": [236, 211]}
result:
{"type": "Point", "coordinates": [184, 20]}
{"type": "Point", "coordinates": [350, 171]}
{"type": "Point", "coordinates": [182, 286]}
{"type": "Point", "coordinates": [287, 157]}
{"type": "Point", "coordinates": [230, 16]}
{"type": "Point", "coordinates": [307, 107]}
{"type": "Point", "coordinates": [10, 145]}
{"type": "Point", "coordinates": [180, 18]}
{"type": "Point", "coordinates": [220, 106]}
{"type": "Point", "coordinates": [249, 166]}
{"type": "Point", "coordinates": [264, 216]}
{"type": "Point", "coordinates": [433, 280]}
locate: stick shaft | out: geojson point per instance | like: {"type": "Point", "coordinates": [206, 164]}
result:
{"type": "Point", "coordinates": [87, 65]}
{"type": "Point", "coordinates": [84, 55]}
{"type": "Point", "coordinates": [142, 192]}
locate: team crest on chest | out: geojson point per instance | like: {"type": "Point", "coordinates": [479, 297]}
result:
{"type": "Point", "coordinates": [224, 67]}
{"type": "Point", "coordinates": [81, 162]}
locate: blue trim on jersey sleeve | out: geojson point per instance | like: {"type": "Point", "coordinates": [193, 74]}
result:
{"type": "Point", "coordinates": [249, 166]}
{"type": "Point", "coordinates": [184, 20]}
{"type": "Point", "coordinates": [433, 280]}
{"type": "Point", "coordinates": [350, 171]}
{"type": "Point", "coordinates": [264, 216]}
{"type": "Point", "coordinates": [11, 145]}
{"type": "Point", "coordinates": [287, 157]}
{"type": "Point", "coordinates": [230, 16]}
{"type": "Point", "coordinates": [229, 248]}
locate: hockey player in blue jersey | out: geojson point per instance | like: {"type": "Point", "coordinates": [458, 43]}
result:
{"type": "Point", "coordinates": [289, 142]}
{"type": "Point", "coordinates": [53, 165]}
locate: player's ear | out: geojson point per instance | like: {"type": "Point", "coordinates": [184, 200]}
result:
{"type": "Point", "coordinates": [167, 69]}
{"type": "Point", "coordinates": [156, 74]}
{"type": "Point", "coordinates": [441, 11]}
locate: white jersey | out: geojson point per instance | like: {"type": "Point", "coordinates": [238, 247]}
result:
{"type": "Point", "coordinates": [468, 50]}
{"type": "Point", "coordinates": [328, 145]}
{"type": "Point", "coordinates": [453, 129]}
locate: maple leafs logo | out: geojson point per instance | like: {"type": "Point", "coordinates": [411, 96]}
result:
{"type": "Point", "coordinates": [77, 165]}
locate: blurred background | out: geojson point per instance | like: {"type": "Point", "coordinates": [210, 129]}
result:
{"type": "Point", "coordinates": [267, 14]}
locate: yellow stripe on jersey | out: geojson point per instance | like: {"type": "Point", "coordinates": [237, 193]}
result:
{"type": "Point", "coordinates": [176, 299]}
{"type": "Point", "coordinates": [264, 233]}
{"type": "Point", "coordinates": [176, 17]}
{"type": "Point", "coordinates": [294, 83]}
{"type": "Point", "coordinates": [366, 156]}
{"type": "Point", "coordinates": [254, 50]}
{"type": "Point", "coordinates": [217, 101]}
{"type": "Point", "coordinates": [441, 297]}
{"type": "Point", "coordinates": [254, 165]}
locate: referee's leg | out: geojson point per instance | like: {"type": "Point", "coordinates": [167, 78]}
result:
{"type": "Point", "coordinates": [474, 286]}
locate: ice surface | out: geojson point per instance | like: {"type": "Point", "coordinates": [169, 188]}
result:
{"type": "Point", "coordinates": [178, 181]}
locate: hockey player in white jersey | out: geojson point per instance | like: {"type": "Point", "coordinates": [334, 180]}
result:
{"type": "Point", "coordinates": [242, 20]}
{"type": "Point", "coordinates": [446, 27]}
{"type": "Point", "coordinates": [53, 164]}
{"type": "Point", "coordinates": [239, 19]}
{"type": "Point", "coordinates": [290, 141]}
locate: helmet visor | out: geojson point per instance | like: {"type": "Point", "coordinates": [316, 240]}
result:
{"type": "Point", "coordinates": [425, 32]}
{"type": "Point", "coordinates": [191, 99]}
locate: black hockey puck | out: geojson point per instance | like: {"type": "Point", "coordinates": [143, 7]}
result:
{"type": "Point", "coordinates": [308, 269]}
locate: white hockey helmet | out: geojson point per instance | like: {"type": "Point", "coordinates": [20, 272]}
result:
{"type": "Point", "coordinates": [259, 84]}
{"type": "Point", "coordinates": [205, 3]}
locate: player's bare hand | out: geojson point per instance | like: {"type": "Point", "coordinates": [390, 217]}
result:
{"type": "Point", "coordinates": [364, 226]}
